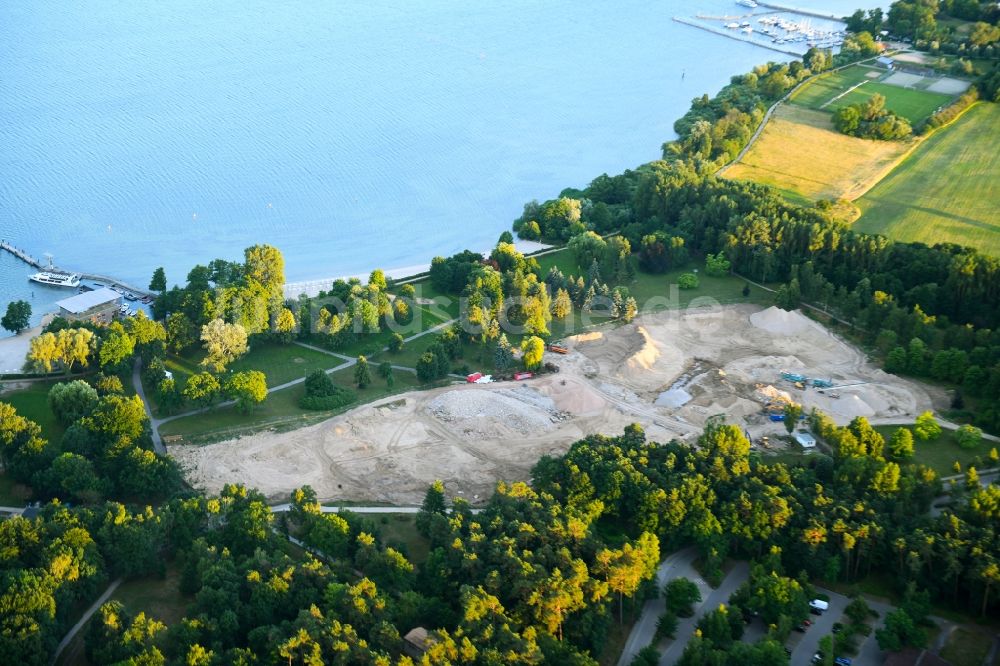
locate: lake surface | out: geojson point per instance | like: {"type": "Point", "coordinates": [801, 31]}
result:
{"type": "Point", "coordinates": [349, 134]}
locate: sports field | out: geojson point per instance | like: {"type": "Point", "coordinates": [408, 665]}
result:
{"type": "Point", "coordinates": [905, 94]}
{"type": "Point", "coordinates": [825, 88]}
{"type": "Point", "coordinates": [801, 154]}
{"type": "Point", "coordinates": [947, 190]}
{"type": "Point", "coordinates": [914, 105]}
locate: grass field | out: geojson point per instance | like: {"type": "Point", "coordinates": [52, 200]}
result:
{"type": "Point", "coordinates": [916, 203]}
{"type": "Point", "coordinates": [280, 363]}
{"type": "Point", "coordinates": [966, 647]}
{"type": "Point", "coordinates": [914, 105]}
{"type": "Point", "coordinates": [799, 152]}
{"type": "Point", "coordinates": [33, 404]}
{"type": "Point", "coordinates": [825, 88]}
{"type": "Point", "coordinates": [280, 411]}
{"type": "Point", "coordinates": [399, 530]}
{"type": "Point", "coordinates": [941, 453]}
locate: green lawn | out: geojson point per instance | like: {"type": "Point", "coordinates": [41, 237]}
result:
{"type": "Point", "coordinates": [946, 191]}
{"type": "Point", "coordinates": [284, 363]}
{"type": "Point", "coordinates": [280, 363]}
{"type": "Point", "coordinates": [914, 105]}
{"type": "Point", "coordinates": [160, 598]}
{"type": "Point", "coordinates": [399, 530]}
{"type": "Point", "coordinates": [12, 493]}
{"type": "Point", "coordinates": [966, 647]}
{"type": "Point", "coordinates": [279, 412]}
{"type": "Point", "coordinates": [825, 88]}
{"type": "Point", "coordinates": [32, 403]}
{"type": "Point", "coordinates": [941, 453]}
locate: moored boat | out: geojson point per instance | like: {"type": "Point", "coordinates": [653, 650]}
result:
{"type": "Point", "coordinates": [55, 279]}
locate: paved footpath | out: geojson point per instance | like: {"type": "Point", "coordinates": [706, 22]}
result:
{"type": "Point", "coordinates": [83, 620]}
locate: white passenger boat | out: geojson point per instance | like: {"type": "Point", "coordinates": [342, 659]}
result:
{"type": "Point", "coordinates": [55, 279]}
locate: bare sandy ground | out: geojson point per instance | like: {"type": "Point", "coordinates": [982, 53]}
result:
{"type": "Point", "coordinates": [669, 372]}
{"type": "Point", "coordinates": [14, 349]}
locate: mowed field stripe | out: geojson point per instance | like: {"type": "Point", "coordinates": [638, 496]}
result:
{"type": "Point", "coordinates": [947, 190]}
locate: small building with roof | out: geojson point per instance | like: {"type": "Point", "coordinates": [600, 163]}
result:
{"type": "Point", "coordinates": [805, 439]}
{"type": "Point", "coordinates": [98, 306]}
{"type": "Point", "coordinates": [417, 641]}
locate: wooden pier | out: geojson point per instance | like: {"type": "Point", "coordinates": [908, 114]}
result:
{"type": "Point", "coordinates": [106, 279]}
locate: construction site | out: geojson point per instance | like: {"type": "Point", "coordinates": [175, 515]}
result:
{"type": "Point", "coordinates": [669, 372]}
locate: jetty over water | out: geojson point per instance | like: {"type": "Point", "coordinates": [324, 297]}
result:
{"type": "Point", "coordinates": [27, 258]}
{"type": "Point", "coordinates": [737, 37]}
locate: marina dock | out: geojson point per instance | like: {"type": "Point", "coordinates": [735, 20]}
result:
{"type": "Point", "coordinates": [27, 258]}
{"type": "Point", "coordinates": [737, 36]}
{"type": "Point", "coordinates": [799, 10]}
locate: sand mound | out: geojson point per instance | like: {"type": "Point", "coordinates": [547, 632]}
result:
{"type": "Point", "coordinates": [521, 409]}
{"type": "Point", "coordinates": [780, 322]}
{"type": "Point", "coordinates": [648, 354]}
{"type": "Point", "coordinates": [587, 337]}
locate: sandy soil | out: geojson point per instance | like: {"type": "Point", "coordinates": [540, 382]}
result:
{"type": "Point", "coordinates": [695, 364]}
{"type": "Point", "coordinates": [14, 349]}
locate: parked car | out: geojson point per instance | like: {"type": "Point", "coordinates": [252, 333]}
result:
{"type": "Point", "coordinates": [842, 661]}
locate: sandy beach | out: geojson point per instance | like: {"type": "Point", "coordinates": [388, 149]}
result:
{"type": "Point", "coordinates": [14, 349]}
{"type": "Point", "coordinates": [313, 287]}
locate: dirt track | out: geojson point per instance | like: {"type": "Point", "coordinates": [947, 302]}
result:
{"type": "Point", "coordinates": [697, 364]}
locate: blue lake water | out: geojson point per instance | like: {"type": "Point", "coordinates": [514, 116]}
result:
{"type": "Point", "coordinates": [349, 134]}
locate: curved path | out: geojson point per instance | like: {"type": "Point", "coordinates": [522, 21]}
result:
{"type": "Point", "coordinates": [84, 619]}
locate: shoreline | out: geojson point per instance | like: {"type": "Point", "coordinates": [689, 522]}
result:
{"type": "Point", "coordinates": [404, 273]}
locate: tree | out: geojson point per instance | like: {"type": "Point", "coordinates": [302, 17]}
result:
{"type": "Point", "coordinates": [284, 325]}
{"type": "Point", "coordinates": [116, 348]}
{"type": "Point", "coordinates": [427, 367]}
{"type": "Point", "coordinates": [687, 281]}
{"type": "Point", "coordinates": [180, 332]}
{"type": "Point", "coordinates": [433, 504]}
{"type": "Point", "coordinates": [385, 371]}
{"type": "Point", "coordinates": [158, 281]}
{"type": "Point", "coordinates": [680, 596]}
{"type": "Point", "coordinates": [895, 360]}
{"type": "Point", "coordinates": [562, 306]}
{"type": "Point", "coordinates": [18, 316]}
{"type": "Point", "coordinates": [847, 119]}
{"type": "Point", "coordinates": [901, 443]}
{"type": "Point", "coordinates": [900, 631]}
{"type": "Point", "coordinates": [377, 279]}
{"type": "Point", "coordinates": [202, 389]}
{"type": "Point", "coordinates": [926, 428]}
{"type": "Point", "coordinates": [532, 351]}
{"type": "Point", "coordinates": [396, 343]}
{"type": "Point", "coordinates": [647, 656]}
{"type": "Point", "coordinates": [223, 342]}
{"type": "Point", "coordinates": [503, 355]}
{"type": "Point", "coordinates": [70, 401]}
{"type": "Point", "coordinates": [362, 374]}
{"type": "Point", "coordinates": [624, 569]}
{"type": "Point", "coordinates": [630, 310]}
{"type": "Point", "coordinates": [168, 396]}
{"type": "Point", "coordinates": [247, 388]}
{"type": "Point", "coordinates": [717, 265]}
{"type": "Point", "coordinates": [666, 625]}
{"type": "Point", "coordinates": [968, 436]}
{"type": "Point", "coordinates": [792, 413]}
